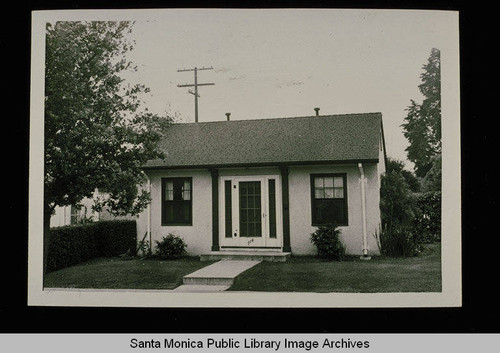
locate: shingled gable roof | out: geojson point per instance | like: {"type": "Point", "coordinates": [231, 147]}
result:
{"type": "Point", "coordinates": [299, 140]}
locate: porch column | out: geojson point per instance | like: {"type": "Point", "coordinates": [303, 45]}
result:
{"type": "Point", "coordinates": [286, 208]}
{"type": "Point", "coordinates": [215, 209]}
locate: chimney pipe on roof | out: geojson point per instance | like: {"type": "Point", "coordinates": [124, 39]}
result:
{"type": "Point", "coordinates": [317, 111]}
{"type": "Point", "coordinates": [228, 116]}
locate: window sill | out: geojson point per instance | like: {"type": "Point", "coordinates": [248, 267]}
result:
{"type": "Point", "coordinates": [324, 224]}
{"type": "Point", "coordinates": [177, 224]}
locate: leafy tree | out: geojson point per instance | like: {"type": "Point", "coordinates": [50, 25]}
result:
{"type": "Point", "coordinates": [397, 166]}
{"type": "Point", "coordinates": [96, 134]}
{"type": "Point", "coordinates": [422, 125]}
{"type": "Point", "coordinates": [397, 200]}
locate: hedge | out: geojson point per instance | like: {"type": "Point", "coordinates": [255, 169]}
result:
{"type": "Point", "coordinates": [71, 245]}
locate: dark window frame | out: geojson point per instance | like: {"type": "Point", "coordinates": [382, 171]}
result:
{"type": "Point", "coordinates": [314, 221]}
{"type": "Point", "coordinates": [174, 202]}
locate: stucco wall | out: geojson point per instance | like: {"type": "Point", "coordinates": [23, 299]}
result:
{"type": "Point", "coordinates": [352, 235]}
{"type": "Point", "coordinates": [62, 214]}
{"type": "Point", "coordinates": [198, 236]}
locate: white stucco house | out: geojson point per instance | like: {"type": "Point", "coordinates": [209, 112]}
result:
{"type": "Point", "coordinates": [266, 184]}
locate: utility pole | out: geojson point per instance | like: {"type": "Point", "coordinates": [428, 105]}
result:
{"type": "Point", "coordinates": [195, 85]}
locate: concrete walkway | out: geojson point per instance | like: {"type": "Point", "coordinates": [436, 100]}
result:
{"type": "Point", "coordinates": [216, 277]}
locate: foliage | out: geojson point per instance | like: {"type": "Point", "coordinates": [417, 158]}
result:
{"type": "Point", "coordinates": [327, 241]}
{"type": "Point", "coordinates": [170, 247]}
{"type": "Point", "coordinates": [397, 201]}
{"type": "Point", "coordinates": [399, 241]}
{"type": "Point", "coordinates": [432, 180]}
{"type": "Point", "coordinates": [428, 224]}
{"type": "Point", "coordinates": [71, 245]}
{"type": "Point", "coordinates": [395, 165]}
{"type": "Point", "coordinates": [96, 134]}
{"type": "Point", "coordinates": [422, 125]}
{"type": "Point", "coordinates": [144, 249]}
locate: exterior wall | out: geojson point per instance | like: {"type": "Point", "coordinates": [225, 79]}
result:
{"type": "Point", "coordinates": [62, 214]}
{"type": "Point", "coordinates": [381, 157]}
{"type": "Point", "coordinates": [197, 236]}
{"type": "Point", "coordinates": [352, 235]}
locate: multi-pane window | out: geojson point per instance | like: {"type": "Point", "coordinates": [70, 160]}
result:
{"type": "Point", "coordinates": [250, 209]}
{"type": "Point", "coordinates": [177, 206]}
{"type": "Point", "coordinates": [78, 214]}
{"type": "Point", "coordinates": [329, 199]}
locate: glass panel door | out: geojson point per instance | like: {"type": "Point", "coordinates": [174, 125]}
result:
{"type": "Point", "coordinates": [250, 209]}
{"type": "Point", "coordinates": [250, 212]}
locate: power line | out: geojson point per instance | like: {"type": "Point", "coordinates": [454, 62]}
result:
{"type": "Point", "coordinates": [195, 85]}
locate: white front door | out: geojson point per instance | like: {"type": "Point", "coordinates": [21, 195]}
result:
{"type": "Point", "coordinates": [250, 212]}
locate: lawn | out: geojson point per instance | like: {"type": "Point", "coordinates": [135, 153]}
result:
{"type": "Point", "coordinates": [117, 273]}
{"type": "Point", "coordinates": [299, 274]}
{"type": "Point", "coordinates": [310, 274]}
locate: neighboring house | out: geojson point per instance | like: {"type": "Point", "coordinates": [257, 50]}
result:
{"type": "Point", "coordinates": [77, 214]}
{"type": "Point", "coordinates": [268, 184]}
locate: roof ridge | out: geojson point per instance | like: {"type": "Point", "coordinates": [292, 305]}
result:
{"type": "Point", "coordinates": [290, 117]}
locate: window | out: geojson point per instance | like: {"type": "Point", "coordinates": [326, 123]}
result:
{"type": "Point", "coordinates": [78, 214]}
{"type": "Point", "coordinates": [176, 202]}
{"type": "Point", "coordinates": [250, 209]}
{"type": "Point", "coordinates": [329, 199]}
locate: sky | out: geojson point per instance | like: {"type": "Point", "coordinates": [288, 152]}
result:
{"type": "Point", "coordinates": [284, 63]}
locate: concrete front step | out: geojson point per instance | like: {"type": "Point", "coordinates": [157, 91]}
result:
{"type": "Point", "coordinates": [221, 273]}
{"type": "Point", "coordinates": [273, 256]}
{"type": "Point", "coordinates": [200, 288]}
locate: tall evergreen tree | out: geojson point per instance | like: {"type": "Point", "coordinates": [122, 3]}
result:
{"type": "Point", "coordinates": [422, 125]}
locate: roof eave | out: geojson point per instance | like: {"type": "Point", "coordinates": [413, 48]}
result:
{"type": "Point", "coordinates": [261, 164]}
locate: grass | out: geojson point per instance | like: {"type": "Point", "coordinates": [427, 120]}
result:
{"type": "Point", "coordinates": [381, 274]}
{"type": "Point", "coordinates": [117, 273]}
{"type": "Point", "coordinates": [299, 274]}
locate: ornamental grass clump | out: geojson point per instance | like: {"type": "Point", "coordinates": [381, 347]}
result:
{"type": "Point", "coordinates": [327, 240]}
{"type": "Point", "coordinates": [170, 247]}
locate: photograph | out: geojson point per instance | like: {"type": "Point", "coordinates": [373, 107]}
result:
{"type": "Point", "coordinates": [242, 158]}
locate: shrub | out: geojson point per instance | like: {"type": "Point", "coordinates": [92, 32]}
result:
{"type": "Point", "coordinates": [143, 249]}
{"type": "Point", "coordinates": [397, 202]}
{"type": "Point", "coordinates": [71, 245]}
{"type": "Point", "coordinates": [170, 247]}
{"type": "Point", "coordinates": [399, 242]}
{"type": "Point", "coordinates": [327, 241]}
{"type": "Point", "coordinates": [428, 224]}
{"type": "Point", "coordinates": [116, 237]}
